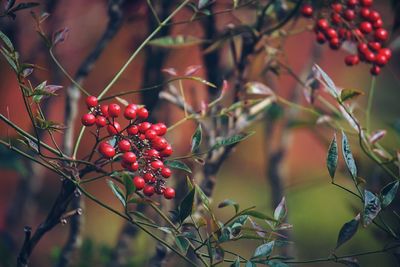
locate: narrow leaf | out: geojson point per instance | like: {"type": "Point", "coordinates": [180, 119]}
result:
{"type": "Point", "coordinates": [186, 206]}
{"type": "Point", "coordinates": [257, 88]}
{"type": "Point", "coordinates": [325, 79]}
{"type": "Point", "coordinates": [60, 36]}
{"type": "Point", "coordinates": [372, 206]}
{"type": "Point", "coordinates": [347, 94]}
{"type": "Point", "coordinates": [189, 71]}
{"type": "Point", "coordinates": [22, 6]}
{"type": "Point", "coordinates": [258, 215]}
{"type": "Point", "coordinates": [177, 164]}
{"type": "Point", "coordinates": [388, 193]}
{"type": "Point", "coordinates": [264, 250]}
{"type": "Point", "coordinates": [117, 192]}
{"type": "Point", "coordinates": [196, 138]}
{"type": "Point", "coordinates": [348, 156]}
{"type": "Point", "coordinates": [236, 263]}
{"type": "Point", "coordinates": [6, 41]}
{"type": "Point", "coordinates": [178, 41]}
{"type": "Point", "coordinates": [332, 158]}
{"type": "Point", "coordinates": [281, 210]}
{"type": "Point", "coordinates": [231, 140]}
{"type": "Point", "coordinates": [347, 231]}
{"type": "Point", "coordinates": [228, 202]}
{"type": "Point", "coordinates": [376, 136]}
{"type": "Point", "coordinates": [182, 243]}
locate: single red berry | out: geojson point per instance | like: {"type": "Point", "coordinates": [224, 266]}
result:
{"type": "Point", "coordinates": [142, 113]}
{"type": "Point", "coordinates": [157, 164]}
{"type": "Point", "coordinates": [167, 151]}
{"type": "Point", "coordinates": [142, 137]}
{"type": "Point", "coordinates": [331, 33]}
{"type": "Point", "coordinates": [307, 11]}
{"type": "Point", "coordinates": [130, 113]}
{"type": "Point", "coordinates": [106, 150]}
{"type": "Point", "coordinates": [337, 7]}
{"type": "Point", "coordinates": [139, 182]}
{"type": "Point", "coordinates": [352, 3]}
{"type": "Point", "coordinates": [150, 134]}
{"type": "Point", "coordinates": [362, 48]}
{"type": "Point", "coordinates": [381, 35]}
{"type": "Point", "coordinates": [134, 166]}
{"type": "Point", "coordinates": [335, 18]}
{"type": "Point", "coordinates": [88, 119]}
{"type": "Point", "coordinates": [349, 14]}
{"type": "Point", "coordinates": [365, 27]}
{"type": "Point", "coordinates": [101, 121]}
{"type": "Point", "coordinates": [148, 190]}
{"type": "Point", "coordinates": [166, 172]}
{"type": "Point", "coordinates": [169, 193]}
{"type": "Point", "coordinates": [322, 24]}
{"type": "Point", "coordinates": [148, 176]}
{"type": "Point", "coordinates": [144, 126]}
{"type": "Point", "coordinates": [129, 157]}
{"type": "Point", "coordinates": [132, 130]}
{"type": "Point", "coordinates": [369, 56]}
{"type": "Point", "coordinates": [124, 145]}
{"type": "Point", "coordinates": [132, 106]}
{"type": "Point", "coordinates": [381, 60]}
{"type": "Point", "coordinates": [367, 3]}
{"type": "Point", "coordinates": [387, 52]}
{"type": "Point", "coordinates": [352, 60]}
{"type": "Point", "coordinates": [91, 101]}
{"type": "Point", "coordinates": [343, 33]}
{"type": "Point", "coordinates": [378, 24]}
{"type": "Point", "coordinates": [114, 110]}
{"type": "Point", "coordinates": [163, 129]}
{"type": "Point", "coordinates": [152, 153]}
{"type": "Point", "coordinates": [114, 128]}
{"type": "Point", "coordinates": [104, 110]}
{"type": "Point", "coordinates": [334, 43]}
{"type": "Point", "coordinates": [374, 16]}
{"type": "Point", "coordinates": [159, 143]}
{"type": "Point", "coordinates": [375, 70]}
{"type": "Point", "coordinates": [320, 38]}
{"type": "Point", "coordinates": [376, 46]}
{"type": "Point", "coordinates": [365, 12]}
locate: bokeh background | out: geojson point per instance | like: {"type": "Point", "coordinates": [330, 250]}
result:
{"type": "Point", "coordinates": [317, 209]}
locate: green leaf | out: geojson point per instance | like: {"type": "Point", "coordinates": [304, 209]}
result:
{"type": "Point", "coordinates": [388, 193]}
{"type": "Point", "coordinates": [325, 79]}
{"type": "Point", "coordinates": [165, 229]}
{"type": "Point", "coordinates": [177, 164]}
{"type": "Point", "coordinates": [372, 207]}
{"type": "Point", "coordinates": [204, 199]}
{"type": "Point", "coordinates": [250, 264]}
{"type": "Point", "coordinates": [6, 41]}
{"type": "Point", "coordinates": [202, 3]}
{"type": "Point", "coordinates": [186, 207]}
{"type": "Point", "coordinates": [264, 250]}
{"type": "Point", "coordinates": [281, 210]}
{"type": "Point", "coordinates": [117, 192]}
{"type": "Point", "coordinates": [228, 202]}
{"type": "Point", "coordinates": [177, 41]}
{"type": "Point", "coordinates": [347, 94]}
{"type": "Point", "coordinates": [332, 158]}
{"type": "Point", "coordinates": [182, 243]}
{"type": "Point", "coordinates": [259, 215]}
{"type": "Point", "coordinates": [236, 263]}
{"type": "Point", "coordinates": [349, 262]}
{"type": "Point", "coordinates": [196, 139]}
{"type": "Point", "coordinates": [347, 231]}
{"type": "Point", "coordinates": [258, 88]}
{"type": "Point", "coordinates": [231, 140]}
{"type": "Point", "coordinates": [129, 186]}
{"type": "Point", "coordinates": [348, 156]}
{"type": "Point", "coordinates": [9, 58]}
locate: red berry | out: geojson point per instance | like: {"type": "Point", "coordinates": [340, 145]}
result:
{"type": "Point", "coordinates": [367, 3]}
{"type": "Point", "coordinates": [162, 129]}
{"type": "Point", "coordinates": [166, 152]}
{"type": "Point", "coordinates": [336, 19]}
{"type": "Point", "coordinates": [106, 150]}
{"type": "Point", "coordinates": [142, 113]}
{"type": "Point", "coordinates": [114, 129]}
{"type": "Point", "coordinates": [376, 46]}
{"type": "Point", "coordinates": [381, 60]}
{"type": "Point", "coordinates": [387, 52]}
{"type": "Point", "coordinates": [132, 106]}
{"type": "Point", "coordinates": [159, 143]}
{"type": "Point", "coordinates": [322, 24]}
{"type": "Point", "coordinates": [321, 38]}
{"type": "Point", "coordinates": [375, 70]}
{"type": "Point", "coordinates": [150, 134]}
{"type": "Point", "coordinates": [152, 153]}
{"type": "Point", "coordinates": [157, 164]}
{"type": "Point", "coordinates": [365, 27]}
{"type": "Point", "coordinates": [334, 43]}
{"type": "Point", "coordinates": [365, 12]}
{"type": "Point", "coordinates": [369, 56]}
{"type": "Point", "coordinates": [337, 7]}
{"type": "Point", "coordinates": [104, 110]}
{"type": "Point", "coordinates": [374, 16]}
{"type": "Point", "coordinates": [142, 136]}
{"type": "Point", "coordinates": [114, 110]}
{"type": "Point", "coordinates": [132, 130]}
{"type": "Point", "coordinates": [352, 3]}
{"type": "Point", "coordinates": [88, 119]}
{"type": "Point", "coordinates": [352, 60]}
{"type": "Point", "coordinates": [343, 33]}
{"type": "Point", "coordinates": [101, 121]}
{"type": "Point", "coordinates": [144, 126]}
{"type": "Point", "coordinates": [169, 193]}
{"type": "Point", "coordinates": [130, 114]}
{"type": "Point", "coordinates": [149, 177]}
{"type": "Point", "coordinates": [378, 24]}
{"type": "Point", "coordinates": [362, 48]}
{"type": "Point", "coordinates": [349, 14]}
{"type": "Point", "coordinates": [307, 11]}
{"type": "Point", "coordinates": [139, 182]}
{"type": "Point", "coordinates": [129, 157]}
{"type": "Point", "coordinates": [91, 101]}
{"type": "Point", "coordinates": [166, 172]}
{"type": "Point", "coordinates": [331, 33]}
{"type": "Point", "coordinates": [381, 34]}
{"type": "Point", "coordinates": [134, 166]}
{"type": "Point", "coordinates": [124, 145]}
{"type": "Point", "coordinates": [148, 190]}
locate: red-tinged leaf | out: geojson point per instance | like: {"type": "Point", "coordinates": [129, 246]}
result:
{"type": "Point", "coordinates": [257, 88]}
{"type": "Point", "coordinates": [60, 36]}
{"type": "Point", "coordinates": [259, 230]}
{"type": "Point", "coordinates": [376, 136]}
{"type": "Point", "coordinates": [170, 71]}
{"type": "Point", "coordinates": [382, 153]}
{"type": "Point", "coordinates": [192, 70]}
{"type": "Point", "coordinates": [281, 210]}
{"type": "Point", "coordinates": [321, 76]}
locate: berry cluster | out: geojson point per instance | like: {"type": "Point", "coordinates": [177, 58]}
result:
{"type": "Point", "coordinates": [353, 21]}
{"type": "Point", "coordinates": [140, 146]}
